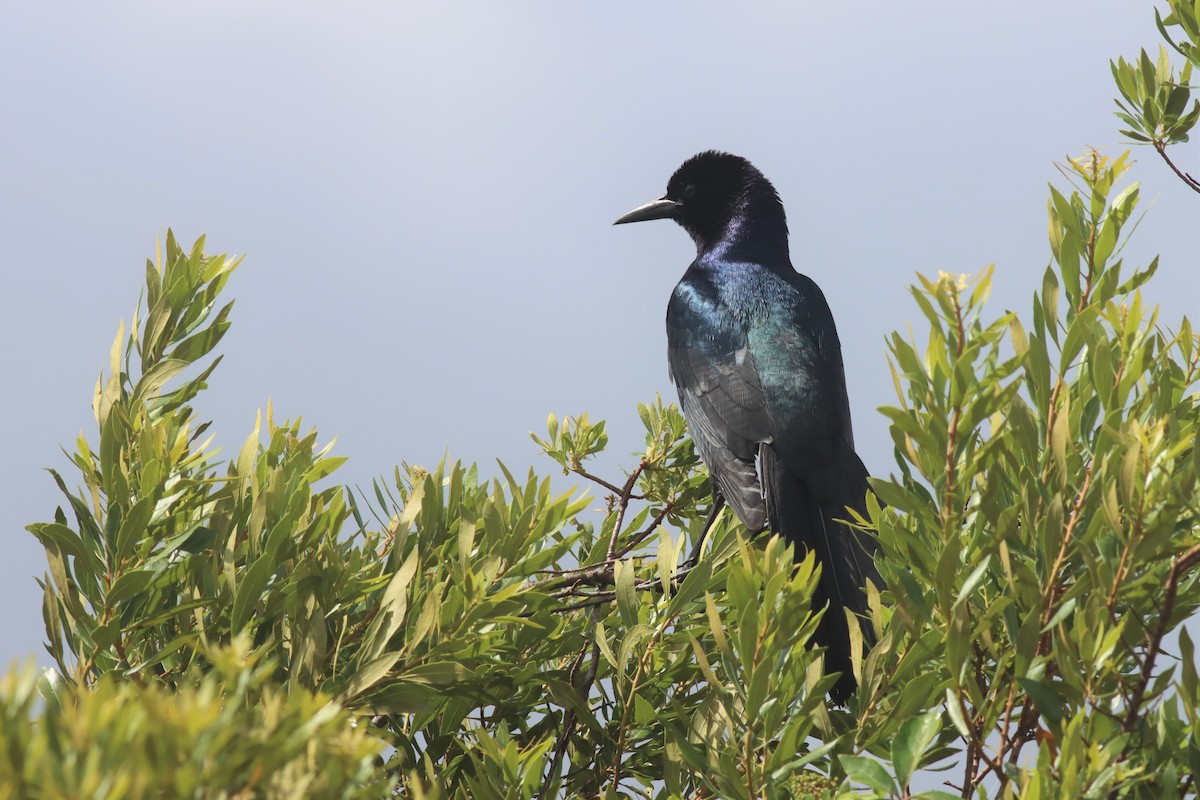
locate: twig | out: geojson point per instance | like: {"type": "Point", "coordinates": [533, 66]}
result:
{"type": "Point", "coordinates": [600, 598]}
{"type": "Point", "coordinates": [1182, 564]}
{"type": "Point", "coordinates": [634, 685]}
{"type": "Point", "coordinates": [119, 645]}
{"type": "Point", "coordinates": [622, 505]}
{"type": "Point", "coordinates": [1194, 184]}
{"type": "Point", "coordinates": [564, 736]}
{"type": "Point", "coordinates": [1027, 722]}
{"type": "Point", "coordinates": [594, 575]}
{"type": "Point", "coordinates": [653, 526]}
{"type": "Point", "coordinates": [1056, 586]}
{"type": "Point", "coordinates": [564, 573]}
{"type": "Point", "coordinates": [604, 575]}
{"type": "Point", "coordinates": [976, 749]}
{"type": "Point", "coordinates": [611, 487]}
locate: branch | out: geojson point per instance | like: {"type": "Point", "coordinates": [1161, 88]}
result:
{"type": "Point", "coordinates": [1192, 183]}
{"type": "Point", "coordinates": [651, 528]}
{"type": "Point", "coordinates": [564, 736]}
{"type": "Point", "coordinates": [1055, 584]}
{"type": "Point", "coordinates": [604, 575]}
{"type": "Point", "coordinates": [622, 504]}
{"type": "Point", "coordinates": [1027, 722]}
{"type": "Point", "coordinates": [977, 747]}
{"type": "Point", "coordinates": [611, 487]}
{"type": "Point", "coordinates": [1181, 565]}
{"type": "Point", "coordinates": [606, 578]}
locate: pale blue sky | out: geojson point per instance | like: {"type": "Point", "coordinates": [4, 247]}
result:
{"type": "Point", "coordinates": [424, 195]}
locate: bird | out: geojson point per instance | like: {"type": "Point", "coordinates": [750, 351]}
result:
{"type": "Point", "coordinates": [754, 354]}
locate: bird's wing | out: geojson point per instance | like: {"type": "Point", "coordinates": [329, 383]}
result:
{"type": "Point", "coordinates": [831, 355]}
{"type": "Point", "coordinates": [829, 349]}
{"type": "Point", "coordinates": [721, 397]}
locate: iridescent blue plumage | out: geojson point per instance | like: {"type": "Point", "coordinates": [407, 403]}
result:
{"type": "Point", "coordinates": [754, 353]}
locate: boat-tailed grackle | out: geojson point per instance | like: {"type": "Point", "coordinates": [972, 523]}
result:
{"type": "Point", "coordinates": [755, 356]}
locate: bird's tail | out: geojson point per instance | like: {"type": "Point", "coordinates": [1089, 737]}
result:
{"type": "Point", "coordinates": [807, 512]}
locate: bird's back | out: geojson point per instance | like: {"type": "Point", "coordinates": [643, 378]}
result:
{"type": "Point", "coordinates": [724, 313]}
{"type": "Point", "coordinates": [755, 356]}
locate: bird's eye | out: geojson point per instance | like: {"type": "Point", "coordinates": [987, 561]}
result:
{"type": "Point", "coordinates": [689, 190]}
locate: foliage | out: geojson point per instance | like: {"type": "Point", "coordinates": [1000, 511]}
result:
{"type": "Point", "coordinates": [497, 637]}
{"type": "Point", "coordinates": [231, 733]}
{"type": "Point", "coordinates": [1155, 105]}
{"type": "Point", "coordinates": [1042, 537]}
{"type": "Point", "coordinates": [1040, 542]}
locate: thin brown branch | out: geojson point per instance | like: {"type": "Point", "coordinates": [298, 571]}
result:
{"type": "Point", "coordinates": [1006, 726]}
{"type": "Point", "coordinates": [598, 599]}
{"type": "Point", "coordinates": [119, 645]}
{"type": "Point", "coordinates": [1118, 578]}
{"type": "Point", "coordinates": [601, 598]}
{"type": "Point", "coordinates": [606, 576]}
{"type": "Point", "coordinates": [973, 773]}
{"type": "Point", "coordinates": [1192, 183]}
{"type": "Point", "coordinates": [564, 574]}
{"type": "Point", "coordinates": [571, 719]}
{"type": "Point", "coordinates": [611, 487]}
{"type": "Point", "coordinates": [977, 747]}
{"type": "Point", "coordinates": [623, 504]}
{"type": "Point", "coordinates": [1027, 723]}
{"type": "Point", "coordinates": [594, 575]}
{"type": "Point", "coordinates": [990, 764]}
{"type": "Point", "coordinates": [651, 528]}
{"type": "Point", "coordinates": [1181, 565]}
{"type": "Point", "coordinates": [634, 685]}
{"type": "Point", "coordinates": [1054, 583]}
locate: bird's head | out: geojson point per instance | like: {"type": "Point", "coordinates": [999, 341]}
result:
{"type": "Point", "coordinates": [714, 196]}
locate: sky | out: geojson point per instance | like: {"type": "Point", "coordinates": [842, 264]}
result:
{"type": "Point", "coordinates": [424, 192]}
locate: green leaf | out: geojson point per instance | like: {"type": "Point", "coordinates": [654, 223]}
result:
{"type": "Point", "coordinates": [133, 527]}
{"type": "Point", "coordinates": [392, 608]}
{"type": "Point", "coordinates": [601, 640]}
{"type": "Point", "coordinates": [865, 770]}
{"type": "Point", "coordinates": [627, 602]}
{"type": "Point", "coordinates": [367, 675]}
{"type": "Point", "coordinates": [911, 742]}
{"type": "Point", "coordinates": [973, 579]}
{"type": "Point", "coordinates": [714, 622]}
{"type": "Point", "coordinates": [250, 589]}
{"type": "Point", "coordinates": [62, 537]}
{"type": "Point", "coordinates": [631, 646]}
{"type": "Point", "coordinates": [437, 673]}
{"type": "Point", "coordinates": [1188, 680]}
{"type": "Point", "coordinates": [954, 709]}
{"type": "Point", "coordinates": [694, 583]}
{"type": "Point", "coordinates": [129, 584]}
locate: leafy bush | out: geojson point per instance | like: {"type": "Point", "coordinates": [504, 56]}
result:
{"type": "Point", "coordinates": [246, 628]}
{"type": "Point", "coordinates": [230, 733]}
{"type": "Point", "coordinates": [1154, 102]}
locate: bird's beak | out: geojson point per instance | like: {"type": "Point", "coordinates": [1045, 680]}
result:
{"type": "Point", "coordinates": [662, 208]}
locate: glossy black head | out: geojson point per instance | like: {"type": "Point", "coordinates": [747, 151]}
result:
{"type": "Point", "coordinates": [719, 198]}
